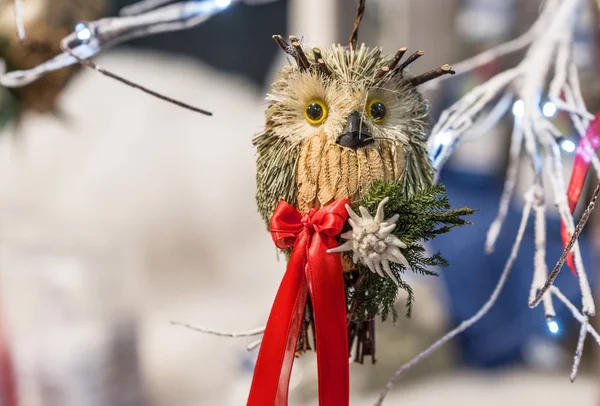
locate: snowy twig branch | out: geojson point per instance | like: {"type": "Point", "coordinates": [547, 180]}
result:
{"type": "Point", "coordinates": [576, 313]}
{"type": "Point", "coordinates": [482, 312]}
{"type": "Point", "coordinates": [549, 52]}
{"type": "Point", "coordinates": [141, 20]}
{"type": "Point", "coordinates": [19, 19]}
{"type": "Point", "coordinates": [250, 333]}
{"type": "Point", "coordinates": [559, 264]}
{"type": "Point", "coordinates": [586, 329]}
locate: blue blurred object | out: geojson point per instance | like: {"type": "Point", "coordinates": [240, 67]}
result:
{"type": "Point", "coordinates": [501, 337]}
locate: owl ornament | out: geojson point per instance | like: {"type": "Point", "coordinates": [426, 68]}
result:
{"type": "Point", "coordinates": [345, 186]}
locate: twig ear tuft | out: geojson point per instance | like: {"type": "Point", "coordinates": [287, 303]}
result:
{"type": "Point", "coordinates": [359, 16]}
{"type": "Point", "coordinates": [410, 60]}
{"type": "Point", "coordinates": [432, 74]}
{"type": "Point", "coordinates": [301, 58]}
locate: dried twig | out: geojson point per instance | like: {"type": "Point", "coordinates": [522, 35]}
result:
{"type": "Point", "coordinates": [430, 75]}
{"type": "Point", "coordinates": [381, 73]}
{"type": "Point", "coordinates": [287, 48]}
{"type": "Point", "coordinates": [128, 82]}
{"type": "Point", "coordinates": [397, 57]}
{"type": "Point", "coordinates": [322, 67]}
{"type": "Point", "coordinates": [409, 60]}
{"type": "Point", "coordinates": [301, 58]}
{"type": "Point", "coordinates": [360, 12]}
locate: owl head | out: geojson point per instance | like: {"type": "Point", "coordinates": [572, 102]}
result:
{"type": "Point", "coordinates": [339, 119]}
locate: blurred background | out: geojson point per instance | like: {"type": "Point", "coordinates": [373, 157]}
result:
{"type": "Point", "coordinates": [120, 213]}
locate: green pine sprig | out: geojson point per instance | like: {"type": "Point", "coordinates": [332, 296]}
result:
{"type": "Point", "coordinates": [423, 216]}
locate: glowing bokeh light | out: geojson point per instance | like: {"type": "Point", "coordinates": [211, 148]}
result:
{"type": "Point", "coordinates": [518, 108]}
{"type": "Point", "coordinates": [549, 109]}
{"type": "Point", "coordinates": [223, 3]}
{"type": "Point", "coordinates": [83, 32]}
{"type": "Point", "coordinates": [568, 145]}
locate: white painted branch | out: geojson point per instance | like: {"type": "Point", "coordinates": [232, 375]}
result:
{"type": "Point", "coordinates": [250, 333]}
{"type": "Point", "coordinates": [142, 7]}
{"type": "Point", "coordinates": [499, 51]}
{"type": "Point", "coordinates": [576, 313]}
{"type": "Point", "coordinates": [512, 171]}
{"type": "Point", "coordinates": [579, 350]}
{"type": "Point", "coordinates": [19, 19]}
{"type": "Point", "coordinates": [540, 268]}
{"type": "Point", "coordinates": [477, 316]}
{"type": "Point", "coordinates": [109, 32]}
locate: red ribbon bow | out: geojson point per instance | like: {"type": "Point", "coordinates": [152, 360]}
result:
{"type": "Point", "coordinates": [583, 157]}
{"type": "Point", "coordinates": [310, 269]}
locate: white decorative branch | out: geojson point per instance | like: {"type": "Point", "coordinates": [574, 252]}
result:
{"type": "Point", "coordinates": [576, 313]}
{"type": "Point", "coordinates": [18, 7]}
{"type": "Point", "coordinates": [579, 350]}
{"type": "Point", "coordinates": [142, 7]}
{"type": "Point", "coordinates": [549, 53]}
{"type": "Point", "coordinates": [530, 197]}
{"type": "Point", "coordinates": [254, 344]}
{"type": "Point", "coordinates": [586, 329]}
{"type": "Point", "coordinates": [250, 333]}
{"type": "Point", "coordinates": [510, 182]}
{"type": "Point", "coordinates": [540, 268]}
{"type": "Point", "coordinates": [93, 37]}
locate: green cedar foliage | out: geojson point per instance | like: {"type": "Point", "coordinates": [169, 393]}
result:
{"type": "Point", "coordinates": [423, 216]}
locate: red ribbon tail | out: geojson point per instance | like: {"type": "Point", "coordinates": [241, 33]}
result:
{"type": "Point", "coordinates": [273, 369]}
{"type": "Point", "coordinates": [310, 269]}
{"type": "Point", "coordinates": [586, 146]}
{"type": "Point", "coordinates": [566, 237]}
{"type": "Point", "coordinates": [326, 285]}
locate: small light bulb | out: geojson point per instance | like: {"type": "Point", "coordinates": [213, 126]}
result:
{"type": "Point", "coordinates": [553, 327]}
{"type": "Point", "coordinates": [83, 32]}
{"type": "Point", "coordinates": [518, 108]}
{"type": "Point", "coordinates": [223, 3]}
{"type": "Point", "coordinates": [445, 138]}
{"type": "Point", "coordinates": [549, 109]}
{"type": "Point", "coordinates": [568, 145]}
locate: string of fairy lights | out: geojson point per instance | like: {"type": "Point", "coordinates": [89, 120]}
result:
{"type": "Point", "coordinates": [548, 56]}
{"type": "Point", "coordinates": [145, 18]}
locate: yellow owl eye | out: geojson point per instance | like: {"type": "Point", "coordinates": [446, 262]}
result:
{"type": "Point", "coordinates": [376, 110]}
{"type": "Point", "coordinates": [315, 112]}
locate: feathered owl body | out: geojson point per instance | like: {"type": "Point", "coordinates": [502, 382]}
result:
{"type": "Point", "coordinates": [338, 121]}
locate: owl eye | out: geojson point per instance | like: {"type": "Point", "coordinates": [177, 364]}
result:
{"type": "Point", "coordinates": [315, 112]}
{"type": "Point", "coordinates": [376, 110]}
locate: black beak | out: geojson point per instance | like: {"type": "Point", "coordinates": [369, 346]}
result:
{"type": "Point", "coordinates": [356, 134]}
